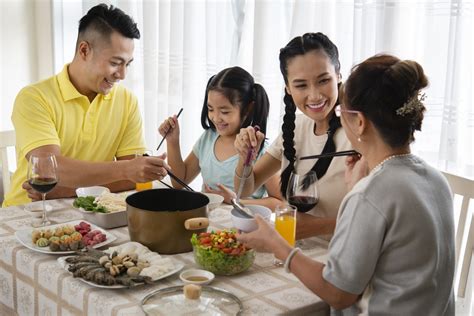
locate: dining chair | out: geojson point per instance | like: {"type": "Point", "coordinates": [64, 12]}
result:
{"type": "Point", "coordinates": [7, 139]}
{"type": "Point", "coordinates": [463, 192]}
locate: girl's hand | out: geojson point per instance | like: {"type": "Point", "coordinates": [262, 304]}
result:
{"type": "Point", "coordinates": [356, 169]}
{"type": "Point", "coordinates": [247, 139]}
{"type": "Point", "coordinates": [264, 239]}
{"type": "Point", "coordinates": [224, 191]}
{"type": "Point", "coordinates": [170, 124]}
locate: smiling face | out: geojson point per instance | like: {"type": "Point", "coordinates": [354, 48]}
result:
{"type": "Point", "coordinates": [312, 83]}
{"type": "Point", "coordinates": [107, 63]}
{"type": "Point", "coordinates": [223, 114]}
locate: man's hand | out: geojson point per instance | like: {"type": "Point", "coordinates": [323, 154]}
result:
{"type": "Point", "coordinates": [146, 168]}
{"type": "Point", "coordinates": [32, 194]}
{"type": "Point", "coordinates": [56, 193]}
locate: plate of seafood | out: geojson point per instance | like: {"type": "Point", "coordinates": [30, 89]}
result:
{"type": "Point", "coordinates": [123, 266]}
{"type": "Point", "coordinates": [64, 238]}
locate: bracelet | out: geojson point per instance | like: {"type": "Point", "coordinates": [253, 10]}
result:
{"type": "Point", "coordinates": [243, 177]}
{"type": "Point", "coordinates": [289, 258]}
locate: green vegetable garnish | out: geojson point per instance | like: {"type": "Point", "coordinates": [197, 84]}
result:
{"type": "Point", "coordinates": [88, 203]}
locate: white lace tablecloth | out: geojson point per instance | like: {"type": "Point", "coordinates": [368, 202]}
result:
{"type": "Point", "coordinates": [33, 283]}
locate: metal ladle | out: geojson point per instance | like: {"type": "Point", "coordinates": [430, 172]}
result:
{"type": "Point", "coordinates": [241, 209]}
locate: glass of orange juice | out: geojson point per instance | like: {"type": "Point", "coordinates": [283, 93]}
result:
{"type": "Point", "coordinates": [285, 224]}
{"type": "Point", "coordinates": [141, 186]}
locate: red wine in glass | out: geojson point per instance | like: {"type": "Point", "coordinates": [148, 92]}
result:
{"type": "Point", "coordinates": [43, 185]}
{"type": "Point", "coordinates": [42, 176]}
{"type": "Point", "coordinates": [302, 191]}
{"type": "Point", "coordinates": [303, 203]}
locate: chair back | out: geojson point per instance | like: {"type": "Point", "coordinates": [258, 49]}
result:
{"type": "Point", "coordinates": [463, 192]}
{"type": "Point", "coordinates": [7, 139]}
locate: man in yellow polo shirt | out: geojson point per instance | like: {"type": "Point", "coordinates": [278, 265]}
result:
{"type": "Point", "coordinates": [90, 123]}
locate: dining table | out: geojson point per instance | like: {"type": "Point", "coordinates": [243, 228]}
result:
{"type": "Point", "coordinates": [34, 283]}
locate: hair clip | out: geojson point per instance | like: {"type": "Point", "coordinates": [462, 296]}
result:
{"type": "Point", "coordinates": [412, 105]}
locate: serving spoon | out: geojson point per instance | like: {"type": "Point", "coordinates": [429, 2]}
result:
{"type": "Point", "coordinates": [241, 209]}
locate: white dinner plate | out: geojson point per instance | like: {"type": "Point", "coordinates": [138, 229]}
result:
{"type": "Point", "coordinates": [62, 262]}
{"type": "Point", "coordinates": [24, 237]}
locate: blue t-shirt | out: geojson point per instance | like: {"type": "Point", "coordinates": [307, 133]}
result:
{"type": "Point", "coordinates": [214, 171]}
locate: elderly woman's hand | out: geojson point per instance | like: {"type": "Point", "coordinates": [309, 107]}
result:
{"type": "Point", "coordinates": [356, 169]}
{"type": "Point", "coordinates": [264, 239]}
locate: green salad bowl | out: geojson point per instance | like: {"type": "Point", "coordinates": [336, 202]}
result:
{"type": "Point", "coordinates": [221, 263]}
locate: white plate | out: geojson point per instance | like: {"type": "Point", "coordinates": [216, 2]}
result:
{"type": "Point", "coordinates": [62, 262]}
{"type": "Point", "coordinates": [24, 237]}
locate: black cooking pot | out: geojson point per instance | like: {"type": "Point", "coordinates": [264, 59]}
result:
{"type": "Point", "coordinates": [165, 219]}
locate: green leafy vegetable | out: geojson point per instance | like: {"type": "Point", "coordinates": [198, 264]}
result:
{"type": "Point", "coordinates": [88, 203]}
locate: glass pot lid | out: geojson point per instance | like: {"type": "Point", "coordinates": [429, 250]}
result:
{"type": "Point", "coordinates": [171, 301]}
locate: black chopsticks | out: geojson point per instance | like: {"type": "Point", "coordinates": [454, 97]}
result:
{"type": "Point", "coordinates": [181, 182]}
{"type": "Point", "coordinates": [166, 184]}
{"type": "Point", "coordinates": [164, 137]}
{"type": "Point", "coordinates": [328, 155]}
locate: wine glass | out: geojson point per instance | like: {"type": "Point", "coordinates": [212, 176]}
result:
{"type": "Point", "coordinates": [302, 191]}
{"type": "Point", "coordinates": [43, 177]}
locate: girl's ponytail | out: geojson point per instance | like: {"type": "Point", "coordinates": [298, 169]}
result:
{"type": "Point", "coordinates": [260, 110]}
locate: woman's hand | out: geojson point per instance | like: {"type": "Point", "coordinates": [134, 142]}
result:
{"type": "Point", "coordinates": [170, 124]}
{"type": "Point", "coordinates": [248, 139]}
{"type": "Point", "coordinates": [223, 191]}
{"type": "Point", "coordinates": [356, 169]}
{"type": "Point", "coordinates": [264, 239]}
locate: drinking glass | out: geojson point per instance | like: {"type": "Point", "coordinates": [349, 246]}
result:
{"type": "Point", "coordinates": [285, 225]}
{"type": "Point", "coordinates": [43, 177]}
{"type": "Point", "coordinates": [141, 186]}
{"type": "Point", "coordinates": [302, 191]}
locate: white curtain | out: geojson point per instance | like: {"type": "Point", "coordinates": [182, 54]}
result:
{"type": "Point", "coordinates": [185, 42]}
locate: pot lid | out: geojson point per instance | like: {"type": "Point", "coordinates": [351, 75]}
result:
{"type": "Point", "coordinates": [171, 301]}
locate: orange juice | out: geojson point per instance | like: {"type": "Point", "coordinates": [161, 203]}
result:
{"type": "Point", "coordinates": [144, 186]}
{"type": "Point", "coordinates": [285, 225]}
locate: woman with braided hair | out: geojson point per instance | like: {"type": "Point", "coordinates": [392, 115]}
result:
{"type": "Point", "coordinates": [392, 252]}
{"type": "Point", "coordinates": [311, 70]}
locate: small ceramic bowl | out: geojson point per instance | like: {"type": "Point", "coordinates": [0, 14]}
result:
{"type": "Point", "coordinates": [249, 224]}
{"type": "Point", "coordinates": [91, 191]}
{"type": "Point", "coordinates": [214, 200]}
{"type": "Point", "coordinates": [196, 276]}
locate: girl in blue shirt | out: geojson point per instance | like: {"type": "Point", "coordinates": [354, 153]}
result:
{"type": "Point", "coordinates": [232, 101]}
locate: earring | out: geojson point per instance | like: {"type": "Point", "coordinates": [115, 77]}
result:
{"type": "Point", "coordinates": [358, 139]}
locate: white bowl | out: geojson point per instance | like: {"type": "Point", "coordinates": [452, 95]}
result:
{"type": "Point", "coordinates": [91, 191]}
{"type": "Point", "coordinates": [196, 276]}
{"type": "Point", "coordinates": [249, 224]}
{"type": "Point", "coordinates": [214, 200]}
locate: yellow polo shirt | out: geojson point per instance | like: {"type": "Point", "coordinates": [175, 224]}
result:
{"type": "Point", "coordinates": [53, 112]}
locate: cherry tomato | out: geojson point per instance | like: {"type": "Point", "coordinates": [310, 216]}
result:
{"type": "Point", "coordinates": [205, 240]}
